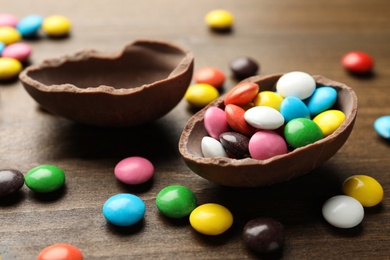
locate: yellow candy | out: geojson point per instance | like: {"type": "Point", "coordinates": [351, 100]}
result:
{"type": "Point", "coordinates": [9, 68]}
{"type": "Point", "coordinates": [219, 19]}
{"type": "Point", "coordinates": [269, 99]}
{"type": "Point", "coordinates": [9, 35]}
{"type": "Point", "coordinates": [365, 189]}
{"type": "Point", "coordinates": [56, 25]}
{"type": "Point", "coordinates": [329, 121]}
{"type": "Point", "coordinates": [211, 219]}
{"type": "Point", "coordinates": [200, 95]}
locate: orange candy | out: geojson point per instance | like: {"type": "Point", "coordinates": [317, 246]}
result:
{"type": "Point", "coordinates": [211, 76]}
{"type": "Point", "coordinates": [242, 94]}
{"type": "Point", "coordinates": [60, 252]}
{"type": "Point", "coordinates": [236, 120]}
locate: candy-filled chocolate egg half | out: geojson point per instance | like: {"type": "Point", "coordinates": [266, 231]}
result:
{"type": "Point", "coordinates": [136, 85]}
{"type": "Point", "coordinates": [327, 132]}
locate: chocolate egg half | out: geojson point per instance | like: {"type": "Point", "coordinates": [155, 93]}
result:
{"type": "Point", "coordinates": [249, 172]}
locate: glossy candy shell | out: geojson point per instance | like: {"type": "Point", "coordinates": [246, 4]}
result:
{"type": "Point", "coordinates": [176, 201]}
{"type": "Point", "coordinates": [60, 252]}
{"type": "Point", "coordinates": [253, 173]}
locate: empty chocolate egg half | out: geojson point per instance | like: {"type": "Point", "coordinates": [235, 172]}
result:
{"type": "Point", "coordinates": [136, 85]}
{"type": "Point", "coordinates": [249, 172]}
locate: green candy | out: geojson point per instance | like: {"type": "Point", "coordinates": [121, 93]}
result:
{"type": "Point", "coordinates": [176, 201]}
{"type": "Point", "coordinates": [45, 178]}
{"type": "Point", "coordinates": [302, 131]}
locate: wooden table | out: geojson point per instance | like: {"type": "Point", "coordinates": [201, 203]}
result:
{"type": "Point", "coordinates": [283, 36]}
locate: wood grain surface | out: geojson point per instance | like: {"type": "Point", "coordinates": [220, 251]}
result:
{"type": "Point", "coordinates": [283, 36]}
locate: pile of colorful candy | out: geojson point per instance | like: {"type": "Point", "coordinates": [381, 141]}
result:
{"type": "Point", "coordinates": [262, 124]}
{"type": "Point", "coordinates": [12, 30]}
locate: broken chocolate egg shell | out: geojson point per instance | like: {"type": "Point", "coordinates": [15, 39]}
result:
{"type": "Point", "coordinates": [249, 172]}
{"type": "Point", "coordinates": [136, 85]}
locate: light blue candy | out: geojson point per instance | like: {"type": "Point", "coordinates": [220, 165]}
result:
{"type": "Point", "coordinates": [322, 99]}
{"type": "Point", "coordinates": [124, 209]}
{"type": "Point", "coordinates": [292, 107]}
{"type": "Point", "coordinates": [382, 126]}
{"type": "Point", "coordinates": [2, 47]}
{"type": "Point", "coordinates": [29, 25]}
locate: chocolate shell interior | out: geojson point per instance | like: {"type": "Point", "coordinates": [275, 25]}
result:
{"type": "Point", "coordinates": [249, 172]}
{"type": "Point", "coordinates": [138, 84]}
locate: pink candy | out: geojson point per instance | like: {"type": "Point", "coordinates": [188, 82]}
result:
{"type": "Point", "coordinates": [265, 144]}
{"type": "Point", "coordinates": [20, 51]}
{"type": "Point", "coordinates": [134, 170]}
{"type": "Point", "coordinates": [8, 20]}
{"type": "Point", "coordinates": [215, 122]}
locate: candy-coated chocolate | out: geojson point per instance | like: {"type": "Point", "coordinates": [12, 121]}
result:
{"type": "Point", "coordinates": [269, 99]}
{"type": "Point", "coordinates": [266, 144]}
{"type": "Point", "coordinates": [235, 144]}
{"type": "Point", "coordinates": [176, 201]}
{"type": "Point", "coordinates": [243, 67]}
{"type": "Point", "coordinates": [215, 122]}
{"type": "Point", "coordinates": [9, 68]}
{"type": "Point", "coordinates": [124, 209]}
{"type": "Point", "coordinates": [10, 181]}
{"type": "Point", "coordinates": [211, 219]}
{"type": "Point", "coordinates": [236, 120]}
{"type": "Point", "coordinates": [60, 252]}
{"type": "Point", "coordinates": [45, 178]}
{"type": "Point", "coordinates": [19, 51]}
{"type": "Point", "coordinates": [298, 84]}
{"type": "Point", "coordinates": [302, 131]}
{"type": "Point", "coordinates": [322, 99]}
{"type": "Point", "coordinates": [212, 148]}
{"type": "Point", "coordinates": [382, 126]}
{"type": "Point", "coordinates": [8, 20]}
{"type": "Point", "coordinates": [9, 35]}
{"type": "Point", "coordinates": [358, 62]}
{"type": "Point", "coordinates": [263, 117]}
{"type": "Point", "coordinates": [329, 121]}
{"type": "Point", "coordinates": [264, 235]}
{"type": "Point", "coordinates": [200, 95]}
{"type": "Point", "coordinates": [365, 189]}
{"type": "Point", "coordinates": [293, 107]}
{"type": "Point", "coordinates": [134, 170]}
{"type": "Point", "coordinates": [242, 94]}
{"type": "Point", "coordinates": [219, 19]}
{"type": "Point", "coordinates": [343, 211]}
{"type": "Point", "coordinates": [211, 76]}
{"type": "Point", "coordinates": [56, 26]}
{"type": "Point", "coordinates": [29, 25]}
{"type": "Point", "coordinates": [2, 47]}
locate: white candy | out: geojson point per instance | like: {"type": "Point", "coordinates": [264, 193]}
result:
{"type": "Point", "coordinates": [298, 84]}
{"type": "Point", "coordinates": [343, 211]}
{"type": "Point", "coordinates": [212, 148]}
{"type": "Point", "coordinates": [264, 117]}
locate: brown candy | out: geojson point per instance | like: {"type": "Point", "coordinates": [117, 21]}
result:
{"type": "Point", "coordinates": [10, 181]}
{"type": "Point", "coordinates": [235, 144]}
{"type": "Point", "coordinates": [264, 235]}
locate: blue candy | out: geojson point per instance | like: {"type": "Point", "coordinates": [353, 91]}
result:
{"type": "Point", "coordinates": [29, 25]}
{"type": "Point", "coordinates": [382, 126]}
{"type": "Point", "coordinates": [2, 47]}
{"type": "Point", "coordinates": [124, 209]}
{"type": "Point", "coordinates": [322, 99]}
{"type": "Point", "coordinates": [292, 107]}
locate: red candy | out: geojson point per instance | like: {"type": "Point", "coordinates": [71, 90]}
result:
{"type": "Point", "coordinates": [358, 62]}
{"type": "Point", "coordinates": [236, 120]}
{"type": "Point", "coordinates": [242, 94]}
{"type": "Point", "coordinates": [211, 76]}
{"type": "Point", "coordinates": [60, 252]}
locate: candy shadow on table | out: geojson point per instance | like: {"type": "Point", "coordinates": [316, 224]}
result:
{"type": "Point", "coordinates": [49, 197]}
{"type": "Point", "coordinates": [13, 199]}
{"type": "Point", "coordinates": [136, 188]}
{"type": "Point", "coordinates": [126, 231]}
